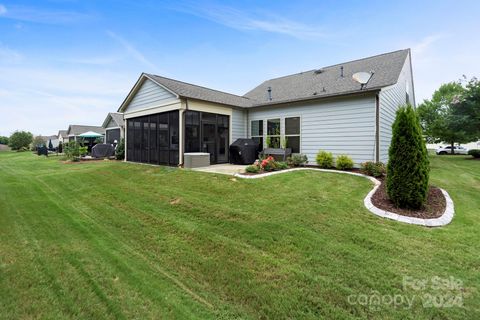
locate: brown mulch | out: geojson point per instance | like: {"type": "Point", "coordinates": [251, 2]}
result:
{"type": "Point", "coordinates": [433, 208]}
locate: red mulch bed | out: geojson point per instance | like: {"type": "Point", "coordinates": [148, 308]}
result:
{"type": "Point", "coordinates": [433, 208]}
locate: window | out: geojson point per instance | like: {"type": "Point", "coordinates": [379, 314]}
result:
{"type": "Point", "coordinates": [256, 132]}
{"type": "Point", "coordinates": [273, 133]}
{"type": "Point", "coordinates": [292, 134]}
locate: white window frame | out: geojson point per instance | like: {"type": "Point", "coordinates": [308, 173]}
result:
{"type": "Point", "coordinates": [274, 135]}
{"type": "Point", "coordinates": [299, 135]}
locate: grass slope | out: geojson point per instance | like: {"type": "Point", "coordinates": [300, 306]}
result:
{"type": "Point", "coordinates": [117, 240]}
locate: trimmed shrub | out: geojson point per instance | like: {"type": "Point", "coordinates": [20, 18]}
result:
{"type": "Point", "coordinates": [408, 167]}
{"type": "Point", "coordinates": [324, 159]}
{"type": "Point", "coordinates": [297, 160]}
{"type": "Point", "coordinates": [344, 162]}
{"type": "Point", "coordinates": [474, 153]}
{"type": "Point", "coordinates": [282, 165]}
{"type": "Point", "coordinates": [374, 169]}
{"type": "Point", "coordinates": [252, 169]}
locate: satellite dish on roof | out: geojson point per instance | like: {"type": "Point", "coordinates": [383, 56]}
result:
{"type": "Point", "coordinates": [362, 77]}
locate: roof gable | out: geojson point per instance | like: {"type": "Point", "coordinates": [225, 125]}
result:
{"type": "Point", "coordinates": [146, 93]}
{"type": "Point", "coordinates": [188, 90]}
{"type": "Point", "coordinates": [75, 129]}
{"type": "Point", "coordinates": [113, 119]}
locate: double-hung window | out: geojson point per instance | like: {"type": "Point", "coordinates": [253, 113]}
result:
{"type": "Point", "coordinates": [256, 132]}
{"type": "Point", "coordinates": [273, 133]}
{"type": "Point", "coordinates": [292, 133]}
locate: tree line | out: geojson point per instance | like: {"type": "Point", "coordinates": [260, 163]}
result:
{"type": "Point", "coordinates": [452, 115]}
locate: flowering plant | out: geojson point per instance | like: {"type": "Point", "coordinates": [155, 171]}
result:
{"type": "Point", "coordinates": [269, 164]}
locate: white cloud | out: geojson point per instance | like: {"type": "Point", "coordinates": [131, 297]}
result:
{"type": "Point", "coordinates": [439, 59]}
{"type": "Point", "coordinates": [241, 20]}
{"type": "Point", "coordinates": [131, 50]}
{"type": "Point", "coordinates": [3, 9]}
{"type": "Point", "coordinates": [8, 55]}
{"type": "Point", "coordinates": [44, 100]}
{"type": "Point", "coordinates": [32, 14]}
{"type": "Point", "coordinates": [96, 61]}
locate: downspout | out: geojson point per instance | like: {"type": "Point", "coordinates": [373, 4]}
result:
{"type": "Point", "coordinates": [182, 119]}
{"type": "Point", "coordinates": [124, 139]}
{"type": "Point", "coordinates": [377, 127]}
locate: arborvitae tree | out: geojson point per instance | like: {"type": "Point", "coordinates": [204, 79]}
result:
{"type": "Point", "coordinates": [408, 165]}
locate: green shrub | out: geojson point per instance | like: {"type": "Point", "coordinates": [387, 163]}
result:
{"type": "Point", "coordinates": [282, 165]}
{"type": "Point", "coordinates": [344, 162]}
{"type": "Point", "coordinates": [474, 153]}
{"type": "Point", "coordinates": [19, 140]}
{"type": "Point", "coordinates": [297, 160]}
{"type": "Point", "coordinates": [408, 167]}
{"type": "Point", "coordinates": [374, 169]}
{"type": "Point", "coordinates": [120, 151]}
{"type": "Point", "coordinates": [83, 150]}
{"type": "Point", "coordinates": [252, 169]}
{"type": "Point", "coordinates": [3, 140]}
{"type": "Point", "coordinates": [72, 150]}
{"type": "Point", "coordinates": [324, 159]}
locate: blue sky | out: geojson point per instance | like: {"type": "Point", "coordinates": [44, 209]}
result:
{"type": "Point", "coordinates": [71, 62]}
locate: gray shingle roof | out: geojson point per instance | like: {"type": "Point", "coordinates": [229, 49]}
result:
{"type": "Point", "coordinates": [304, 85]}
{"type": "Point", "coordinates": [75, 129]}
{"type": "Point", "coordinates": [62, 133]}
{"type": "Point", "coordinates": [188, 90]}
{"type": "Point", "coordinates": [311, 84]}
{"type": "Point", "coordinates": [117, 117]}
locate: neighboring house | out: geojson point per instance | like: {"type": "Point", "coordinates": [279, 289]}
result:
{"type": "Point", "coordinates": [322, 109]}
{"type": "Point", "coordinates": [53, 138]}
{"type": "Point", "coordinates": [75, 130]}
{"type": "Point", "coordinates": [62, 136]}
{"type": "Point", "coordinates": [114, 127]}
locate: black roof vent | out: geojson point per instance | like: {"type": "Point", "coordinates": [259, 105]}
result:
{"type": "Point", "coordinates": [269, 90]}
{"type": "Point", "coordinates": [341, 71]}
{"type": "Point", "coordinates": [318, 71]}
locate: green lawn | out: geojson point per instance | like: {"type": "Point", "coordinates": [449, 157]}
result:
{"type": "Point", "coordinates": [116, 240]}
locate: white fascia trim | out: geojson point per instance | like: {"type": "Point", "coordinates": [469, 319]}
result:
{"type": "Point", "coordinates": [168, 106]}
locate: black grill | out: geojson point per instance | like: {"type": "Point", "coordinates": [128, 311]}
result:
{"type": "Point", "coordinates": [243, 151]}
{"type": "Point", "coordinates": [103, 150]}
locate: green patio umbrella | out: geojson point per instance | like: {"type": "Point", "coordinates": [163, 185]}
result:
{"type": "Point", "coordinates": [90, 134]}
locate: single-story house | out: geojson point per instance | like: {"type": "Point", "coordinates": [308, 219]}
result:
{"type": "Point", "coordinates": [114, 127]}
{"type": "Point", "coordinates": [62, 136]}
{"type": "Point", "coordinates": [53, 139]}
{"type": "Point", "coordinates": [347, 108]}
{"type": "Point", "coordinates": [75, 130]}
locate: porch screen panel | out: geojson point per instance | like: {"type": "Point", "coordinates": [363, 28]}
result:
{"type": "Point", "coordinates": [129, 140]}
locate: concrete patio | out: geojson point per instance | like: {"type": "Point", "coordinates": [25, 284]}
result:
{"type": "Point", "coordinates": [224, 168]}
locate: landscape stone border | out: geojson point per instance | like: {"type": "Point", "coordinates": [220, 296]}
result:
{"type": "Point", "coordinates": [444, 219]}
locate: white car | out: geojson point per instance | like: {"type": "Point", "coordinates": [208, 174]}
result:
{"type": "Point", "coordinates": [448, 150]}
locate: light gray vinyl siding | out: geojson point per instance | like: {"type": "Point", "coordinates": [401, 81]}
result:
{"type": "Point", "coordinates": [391, 98]}
{"type": "Point", "coordinates": [112, 124]}
{"type": "Point", "coordinates": [149, 95]}
{"type": "Point", "coordinates": [239, 124]}
{"type": "Point", "coordinates": [341, 126]}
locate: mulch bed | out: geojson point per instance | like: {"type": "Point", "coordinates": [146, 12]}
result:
{"type": "Point", "coordinates": [356, 170]}
{"type": "Point", "coordinates": [433, 208]}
